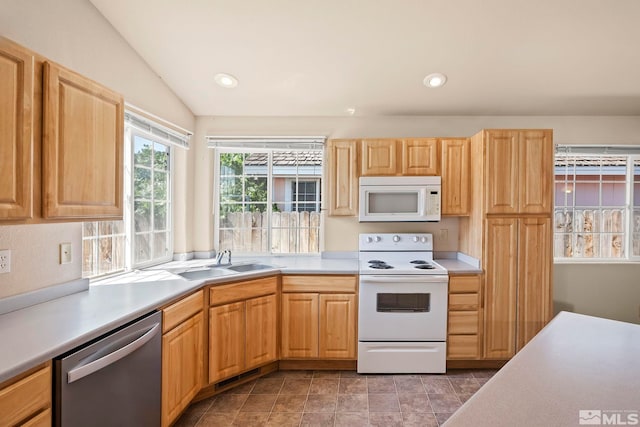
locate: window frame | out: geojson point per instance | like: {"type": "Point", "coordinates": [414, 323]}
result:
{"type": "Point", "coordinates": [130, 201]}
{"type": "Point", "coordinates": [218, 150]}
{"type": "Point", "coordinates": [128, 212]}
{"type": "Point", "coordinates": [628, 208]}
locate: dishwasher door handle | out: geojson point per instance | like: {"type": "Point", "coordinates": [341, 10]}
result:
{"type": "Point", "coordinates": [82, 371]}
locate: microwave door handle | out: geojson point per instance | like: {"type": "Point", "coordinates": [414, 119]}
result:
{"type": "Point", "coordinates": [422, 202]}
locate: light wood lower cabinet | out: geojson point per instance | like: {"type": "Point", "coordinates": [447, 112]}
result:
{"type": "Point", "coordinates": [321, 321]}
{"type": "Point", "coordinates": [182, 355]}
{"type": "Point", "coordinates": [26, 399]}
{"type": "Point", "coordinates": [243, 333]}
{"type": "Point", "coordinates": [518, 283]}
{"type": "Point", "coordinates": [261, 328]}
{"type": "Point", "coordinates": [465, 317]}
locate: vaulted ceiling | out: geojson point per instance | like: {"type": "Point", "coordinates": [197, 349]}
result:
{"type": "Point", "coordinates": [324, 57]}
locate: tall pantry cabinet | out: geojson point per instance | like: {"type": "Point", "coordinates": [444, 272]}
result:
{"type": "Point", "coordinates": [509, 229]}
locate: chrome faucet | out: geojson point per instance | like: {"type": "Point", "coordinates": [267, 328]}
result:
{"type": "Point", "coordinates": [221, 255]}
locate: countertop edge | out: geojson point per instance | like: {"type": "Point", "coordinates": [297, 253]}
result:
{"type": "Point", "coordinates": [32, 360]}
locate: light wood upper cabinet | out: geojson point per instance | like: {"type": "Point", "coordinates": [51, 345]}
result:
{"type": "Point", "coordinates": [419, 156]}
{"type": "Point", "coordinates": [410, 156]}
{"type": "Point", "coordinates": [455, 164]}
{"type": "Point", "coordinates": [182, 354]}
{"type": "Point", "coordinates": [83, 132]}
{"type": "Point", "coordinates": [343, 177]}
{"type": "Point", "coordinates": [16, 131]}
{"type": "Point", "coordinates": [535, 172]}
{"type": "Point", "coordinates": [378, 157]}
{"type": "Point", "coordinates": [502, 170]}
{"type": "Point", "coordinates": [518, 165]}
{"type": "Point", "coordinates": [27, 398]}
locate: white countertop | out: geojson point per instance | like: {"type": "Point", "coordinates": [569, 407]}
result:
{"type": "Point", "coordinates": [38, 333]}
{"type": "Point", "coordinates": [576, 363]}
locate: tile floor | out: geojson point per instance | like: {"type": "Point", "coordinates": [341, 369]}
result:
{"type": "Point", "coordinates": [332, 398]}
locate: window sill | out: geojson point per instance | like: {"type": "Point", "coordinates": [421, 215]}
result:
{"type": "Point", "coordinates": [595, 261]}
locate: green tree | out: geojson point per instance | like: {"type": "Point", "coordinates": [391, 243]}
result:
{"type": "Point", "coordinates": [239, 192]}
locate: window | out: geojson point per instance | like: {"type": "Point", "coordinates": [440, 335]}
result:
{"type": "Point", "coordinates": [144, 236]}
{"type": "Point", "coordinates": [103, 248]}
{"type": "Point", "coordinates": [307, 193]}
{"type": "Point", "coordinates": [597, 206]}
{"type": "Point", "coordinates": [268, 200]}
{"type": "Point", "coordinates": [151, 200]}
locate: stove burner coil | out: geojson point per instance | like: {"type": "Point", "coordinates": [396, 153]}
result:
{"type": "Point", "coordinates": [380, 266]}
{"type": "Point", "coordinates": [418, 261]}
{"type": "Point", "coordinates": [425, 266]}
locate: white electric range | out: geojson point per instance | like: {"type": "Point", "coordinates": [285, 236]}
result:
{"type": "Point", "coordinates": [402, 314]}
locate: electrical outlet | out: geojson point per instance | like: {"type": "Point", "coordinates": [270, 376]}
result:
{"type": "Point", "coordinates": [65, 253]}
{"type": "Point", "coordinates": [5, 261]}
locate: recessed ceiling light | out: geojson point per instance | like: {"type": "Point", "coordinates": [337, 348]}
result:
{"type": "Point", "coordinates": [225, 80]}
{"type": "Point", "coordinates": [434, 80]}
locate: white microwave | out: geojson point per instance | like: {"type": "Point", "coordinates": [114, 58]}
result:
{"type": "Point", "coordinates": [400, 198]}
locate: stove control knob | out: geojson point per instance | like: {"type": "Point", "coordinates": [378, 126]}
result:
{"type": "Point", "coordinates": [378, 238]}
{"type": "Point", "coordinates": [396, 238]}
{"type": "Point", "coordinates": [369, 239]}
{"type": "Point", "coordinates": [416, 239]}
{"type": "Point", "coordinates": [423, 239]}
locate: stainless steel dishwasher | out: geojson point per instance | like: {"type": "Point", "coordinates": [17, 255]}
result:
{"type": "Point", "coordinates": [114, 380]}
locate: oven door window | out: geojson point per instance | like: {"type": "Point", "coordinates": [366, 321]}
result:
{"type": "Point", "coordinates": [403, 303]}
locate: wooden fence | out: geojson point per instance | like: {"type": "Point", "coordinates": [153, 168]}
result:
{"type": "Point", "coordinates": [292, 232]}
{"type": "Point", "coordinates": [589, 233]}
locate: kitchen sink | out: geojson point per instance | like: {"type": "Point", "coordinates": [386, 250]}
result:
{"type": "Point", "coordinates": [243, 268]}
{"type": "Point", "coordinates": [207, 273]}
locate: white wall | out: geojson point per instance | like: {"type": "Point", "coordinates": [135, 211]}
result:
{"type": "Point", "coordinates": [608, 290]}
{"type": "Point", "coordinates": [75, 35]}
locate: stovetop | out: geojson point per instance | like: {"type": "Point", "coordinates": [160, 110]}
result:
{"type": "Point", "coordinates": [398, 253]}
{"type": "Point", "coordinates": [399, 263]}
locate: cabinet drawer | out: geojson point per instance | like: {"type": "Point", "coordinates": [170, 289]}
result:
{"type": "Point", "coordinates": [182, 310]}
{"type": "Point", "coordinates": [43, 419]}
{"type": "Point", "coordinates": [464, 284]}
{"type": "Point", "coordinates": [323, 283]}
{"type": "Point", "coordinates": [464, 301]}
{"type": "Point", "coordinates": [463, 347]}
{"type": "Point", "coordinates": [25, 397]}
{"type": "Point", "coordinates": [463, 322]}
{"type": "Point", "coordinates": [242, 290]}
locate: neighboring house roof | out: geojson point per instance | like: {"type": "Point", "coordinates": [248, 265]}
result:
{"type": "Point", "coordinates": [286, 158]}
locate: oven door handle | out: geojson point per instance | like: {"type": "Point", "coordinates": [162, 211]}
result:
{"type": "Point", "coordinates": [405, 279]}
